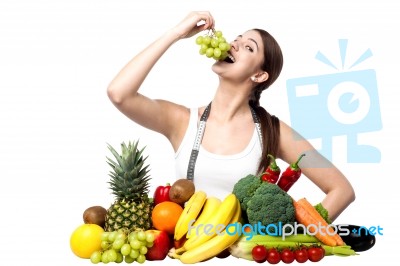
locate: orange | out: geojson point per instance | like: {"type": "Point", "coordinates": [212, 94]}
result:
{"type": "Point", "coordinates": [165, 215]}
{"type": "Point", "coordinates": [86, 239]}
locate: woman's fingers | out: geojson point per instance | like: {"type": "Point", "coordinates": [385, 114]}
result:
{"type": "Point", "coordinates": [195, 22]}
{"type": "Point", "coordinates": [208, 20]}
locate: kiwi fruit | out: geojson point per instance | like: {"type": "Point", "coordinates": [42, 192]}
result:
{"type": "Point", "coordinates": [181, 190]}
{"type": "Point", "coordinates": [95, 215]}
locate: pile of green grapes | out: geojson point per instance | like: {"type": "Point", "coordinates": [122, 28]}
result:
{"type": "Point", "coordinates": [119, 246]}
{"type": "Point", "coordinates": [213, 45]}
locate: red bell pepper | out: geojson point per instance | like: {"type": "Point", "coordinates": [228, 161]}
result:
{"type": "Point", "coordinates": [291, 175]}
{"type": "Point", "coordinates": [161, 194]}
{"type": "Point", "coordinates": [271, 174]}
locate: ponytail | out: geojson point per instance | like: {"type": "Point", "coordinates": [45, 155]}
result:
{"type": "Point", "coordinates": [270, 135]}
{"type": "Point", "coordinates": [273, 63]}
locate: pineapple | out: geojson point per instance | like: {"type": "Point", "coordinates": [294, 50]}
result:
{"type": "Point", "coordinates": [130, 184]}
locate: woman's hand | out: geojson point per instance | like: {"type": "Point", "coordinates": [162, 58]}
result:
{"type": "Point", "coordinates": [339, 191]}
{"type": "Point", "coordinates": [194, 23]}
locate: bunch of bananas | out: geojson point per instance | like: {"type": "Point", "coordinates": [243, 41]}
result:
{"type": "Point", "coordinates": [203, 223]}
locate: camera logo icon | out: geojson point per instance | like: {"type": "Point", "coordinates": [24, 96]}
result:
{"type": "Point", "coordinates": [338, 104]}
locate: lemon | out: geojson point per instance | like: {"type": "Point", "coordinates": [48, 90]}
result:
{"type": "Point", "coordinates": [86, 239]}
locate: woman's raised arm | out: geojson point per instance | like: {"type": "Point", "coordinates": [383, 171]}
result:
{"type": "Point", "coordinates": [157, 115]}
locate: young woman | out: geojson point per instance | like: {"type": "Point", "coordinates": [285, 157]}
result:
{"type": "Point", "coordinates": [235, 133]}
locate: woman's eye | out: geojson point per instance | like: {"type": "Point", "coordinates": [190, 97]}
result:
{"type": "Point", "coordinates": [249, 48]}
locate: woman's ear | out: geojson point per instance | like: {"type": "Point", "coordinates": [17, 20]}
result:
{"type": "Point", "coordinates": [262, 76]}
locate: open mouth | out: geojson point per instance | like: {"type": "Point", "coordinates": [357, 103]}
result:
{"type": "Point", "coordinates": [229, 59]}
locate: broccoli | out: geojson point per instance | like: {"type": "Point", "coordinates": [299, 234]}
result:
{"type": "Point", "coordinates": [245, 188]}
{"type": "Point", "coordinates": [270, 205]}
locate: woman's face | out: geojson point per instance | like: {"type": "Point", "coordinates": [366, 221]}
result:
{"type": "Point", "coordinates": [245, 57]}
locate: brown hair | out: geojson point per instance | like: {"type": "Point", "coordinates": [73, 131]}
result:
{"type": "Point", "coordinates": [273, 62]}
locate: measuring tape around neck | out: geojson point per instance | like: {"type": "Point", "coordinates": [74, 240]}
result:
{"type": "Point", "coordinates": [200, 134]}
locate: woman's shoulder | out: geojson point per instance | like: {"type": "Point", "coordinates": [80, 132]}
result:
{"type": "Point", "coordinates": [192, 112]}
{"type": "Point", "coordinates": [184, 120]}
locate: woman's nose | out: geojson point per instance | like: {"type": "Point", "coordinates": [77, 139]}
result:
{"type": "Point", "coordinates": [234, 45]}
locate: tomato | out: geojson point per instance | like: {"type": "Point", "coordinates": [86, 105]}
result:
{"type": "Point", "coordinates": [315, 253]}
{"type": "Point", "coordinates": [287, 255]}
{"type": "Point", "coordinates": [273, 256]}
{"type": "Point", "coordinates": [259, 253]}
{"type": "Point", "coordinates": [301, 255]}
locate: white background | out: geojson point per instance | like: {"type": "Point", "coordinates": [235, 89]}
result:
{"type": "Point", "coordinates": [57, 58]}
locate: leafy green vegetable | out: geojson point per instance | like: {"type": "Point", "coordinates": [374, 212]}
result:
{"type": "Point", "coordinates": [245, 188]}
{"type": "Point", "coordinates": [264, 202]}
{"type": "Point", "coordinates": [323, 212]}
{"type": "Point", "coordinates": [270, 205]}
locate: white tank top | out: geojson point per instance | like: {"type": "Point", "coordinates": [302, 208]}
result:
{"type": "Point", "coordinates": [216, 174]}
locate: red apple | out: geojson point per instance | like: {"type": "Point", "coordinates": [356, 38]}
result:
{"type": "Point", "coordinates": [161, 245]}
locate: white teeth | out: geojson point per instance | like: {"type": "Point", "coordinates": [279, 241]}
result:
{"type": "Point", "coordinates": [232, 58]}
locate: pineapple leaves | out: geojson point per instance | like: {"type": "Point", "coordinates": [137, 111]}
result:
{"type": "Point", "coordinates": [129, 175]}
{"type": "Point", "coordinates": [117, 156]}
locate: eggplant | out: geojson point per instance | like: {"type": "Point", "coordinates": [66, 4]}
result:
{"type": "Point", "coordinates": [358, 242]}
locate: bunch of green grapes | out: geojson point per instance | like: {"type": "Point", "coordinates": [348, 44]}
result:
{"type": "Point", "coordinates": [213, 45]}
{"type": "Point", "coordinates": [119, 246]}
